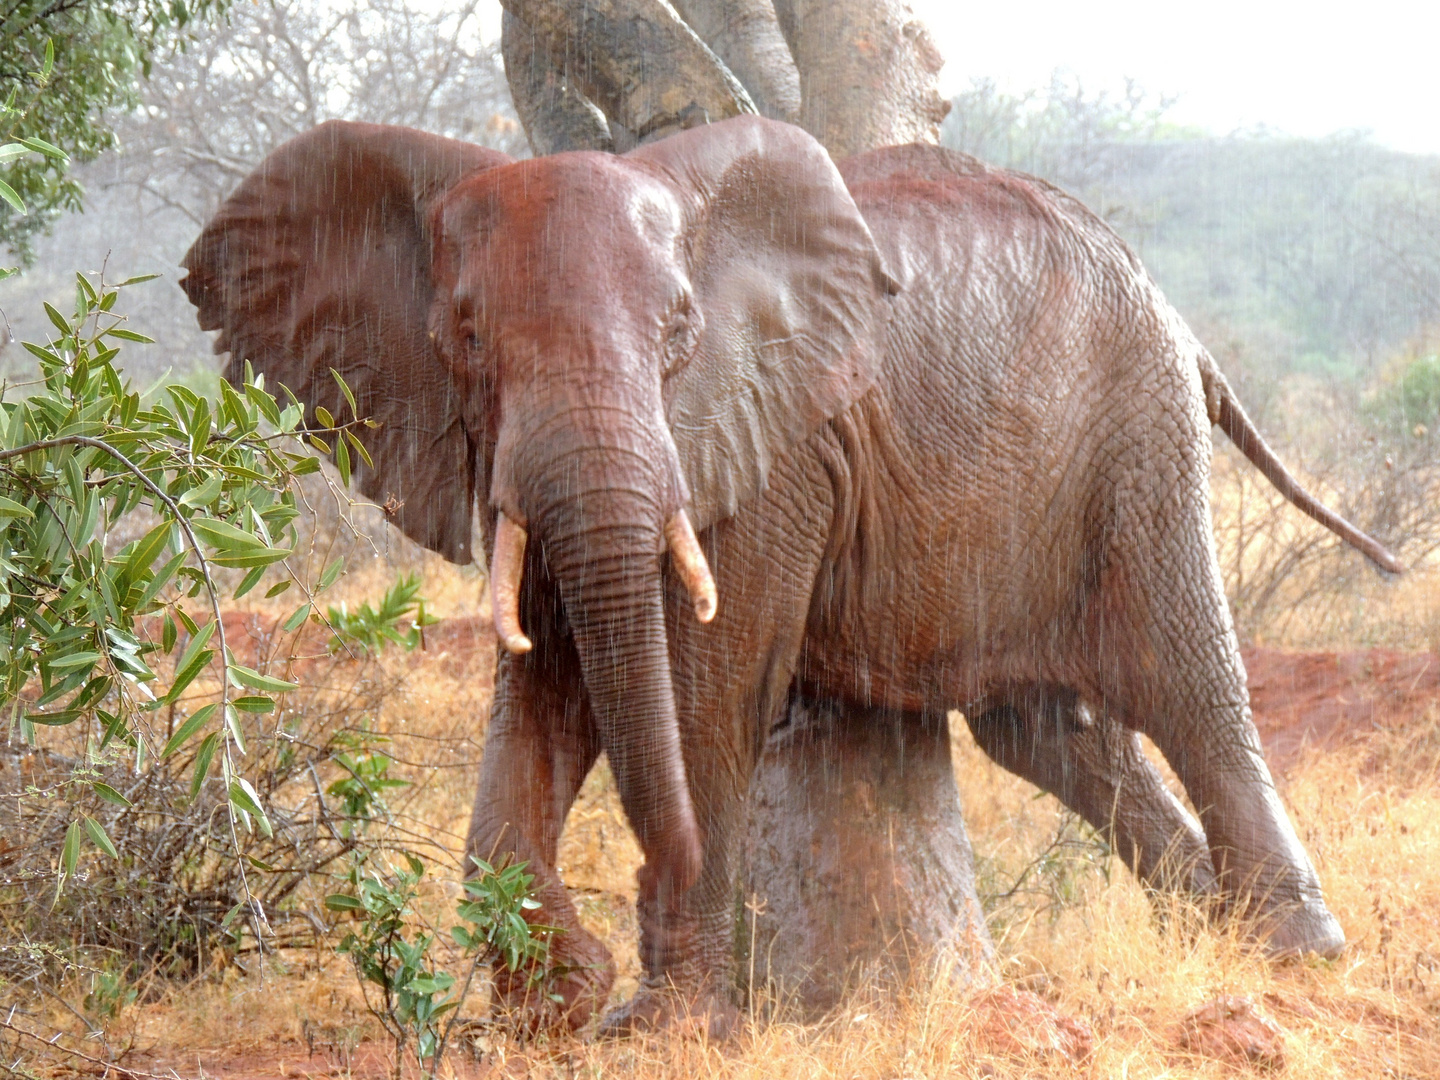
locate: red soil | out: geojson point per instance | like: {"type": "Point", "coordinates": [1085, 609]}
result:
{"type": "Point", "coordinates": [1328, 700]}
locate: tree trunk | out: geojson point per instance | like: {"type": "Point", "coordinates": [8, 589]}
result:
{"type": "Point", "coordinates": [857, 74]}
{"type": "Point", "coordinates": [856, 848]}
{"type": "Point", "coordinates": [857, 865]}
{"type": "Point", "coordinates": [868, 73]}
{"type": "Point", "coordinates": [746, 35]}
{"type": "Point", "coordinates": [637, 61]}
{"type": "Point", "coordinates": [556, 115]}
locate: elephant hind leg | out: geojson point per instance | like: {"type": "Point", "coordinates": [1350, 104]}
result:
{"type": "Point", "coordinates": [540, 745]}
{"type": "Point", "coordinates": [1168, 663]}
{"type": "Point", "coordinates": [1095, 766]}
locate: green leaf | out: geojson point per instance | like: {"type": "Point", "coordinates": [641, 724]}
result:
{"type": "Point", "coordinates": [253, 679]}
{"type": "Point", "coordinates": [54, 719]}
{"type": "Point", "coordinates": [276, 589]}
{"type": "Point", "coordinates": [354, 440]}
{"type": "Point", "coordinates": [234, 913]}
{"type": "Point", "coordinates": [330, 574]}
{"type": "Point", "coordinates": [75, 660]}
{"type": "Point", "coordinates": [244, 559]}
{"type": "Point", "coordinates": [297, 617]}
{"type": "Point", "coordinates": [11, 508]}
{"type": "Point", "coordinates": [40, 146]}
{"type": "Point", "coordinates": [243, 797]}
{"type": "Point", "coordinates": [232, 725]}
{"type": "Point", "coordinates": [204, 494]}
{"type": "Point", "coordinates": [146, 550]}
{"type": "Point", "coordinates": [250, 581]}
{"type": "Point", "coordinates": [199, 639]}
{"type": "Point", "coordinates": [344, 389]}
{"type": "Point", "coordinates": [198, 719]}
{"type": "Point", "coordinates": [108, 793]}
{"type": "Point", "coordinates": [70, 852]}
{"type": "Point", "coordinates": [59, 320]}
{"type": "Point", "coordinates": [137, 280]}
{"type": "Point", "coordinates": [203, 757]}
{"type": "Point", "coordinates": [342, 461]}
{"type": "Point", "coordinates": [254, 704]}
{"type": "Point", "coordinates": [129, 335]}
{"type": "Point", "coordinates": [341, 902]}
{"type": "Point", "coordinates": [100, 837]}
{"type": "Point", "coordinates": [224, 536]}
{"type": "Point", "coordinates": [323, 415]}
{"type": "Point", "coordinates": [187, 672]}
{"type": "Point", "coordinates": [8, 194]}
{"type": "Point", "coordinates": [161, 578]}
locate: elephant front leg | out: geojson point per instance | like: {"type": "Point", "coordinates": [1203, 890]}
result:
{"type": "Point", "coordinates": [732, 681]}
{"type": "Point", "coordinates": [539, 747]}
{"type": "Point", "coordinates": [1094, 766]}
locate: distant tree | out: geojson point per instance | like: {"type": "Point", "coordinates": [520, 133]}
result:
{"type": "Point", "coordinates": [207, 115]}
{"type": "Point", "coordinates": [99, 49]}
{"type": "Point", "coordinates": [281, 67]}
{"type": "Point", "coordinates": [1062, 132]}
{"type": "Point", "coordinates": [1405, 227]}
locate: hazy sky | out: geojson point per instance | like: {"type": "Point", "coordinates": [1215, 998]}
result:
{"type": "Point", "coordinates": [1304, 68]}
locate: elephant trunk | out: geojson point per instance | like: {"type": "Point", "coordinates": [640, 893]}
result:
{"type": "Point", "coordinates": [603, 503]}
{"type": "Point", "coordinates": [610, 584]}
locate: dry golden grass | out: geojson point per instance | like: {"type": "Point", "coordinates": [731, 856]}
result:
{"type": "Point", "coordinates": [1293, 583]}
{"type": "Point", "coordinates": [1085, 938]}
{"type": "Point", "coordinates": [1370, 818]}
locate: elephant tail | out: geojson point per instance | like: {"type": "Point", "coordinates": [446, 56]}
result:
{"type": "Point", "coordinates": [1226, 411]}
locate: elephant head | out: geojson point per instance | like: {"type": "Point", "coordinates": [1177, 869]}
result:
{"type": "Point", "coordinates": [610, 351]}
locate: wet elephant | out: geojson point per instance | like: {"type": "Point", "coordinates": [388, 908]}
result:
{"type": "Point", "coordinates": [932, 438]}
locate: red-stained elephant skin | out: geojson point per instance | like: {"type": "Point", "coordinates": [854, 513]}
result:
{"type": "Point", "coordinates": [943, 440]}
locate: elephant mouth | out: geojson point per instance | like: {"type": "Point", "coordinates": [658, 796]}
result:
{"type": "Point", "coordinates": [507, 569]}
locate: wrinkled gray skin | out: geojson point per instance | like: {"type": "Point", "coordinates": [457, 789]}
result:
{"type": "Point", "coordinates": [869, 75]}
{"type": "Point", "coordinates": [868, 71]}
{"type": "Point", "coordinates": [1000, 495]}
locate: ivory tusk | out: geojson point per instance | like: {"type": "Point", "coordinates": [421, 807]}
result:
{"type": "Point", "coordinates": [507, 568]}
{"type": "Point", "coordinates": [690, 563]}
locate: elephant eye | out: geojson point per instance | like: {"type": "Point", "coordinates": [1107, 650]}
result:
{"type": "Point", "coordinates": [680, 321]}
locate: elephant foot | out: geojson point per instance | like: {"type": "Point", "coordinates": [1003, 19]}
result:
{"type": "Point", "coordinates": [661, 1007]}
{"type": "Point", "coordinates": [1298, 930]}
{"type": "Point", "coordinates": [582, 971]}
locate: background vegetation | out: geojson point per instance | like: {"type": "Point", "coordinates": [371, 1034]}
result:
{"type": "Point", "coordinates": [1311, 268]}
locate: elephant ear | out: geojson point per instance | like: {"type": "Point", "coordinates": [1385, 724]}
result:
{"type": "Point", "coordinates": [320, 260]}
{"type": "Point", "coordinates": [793, 296]}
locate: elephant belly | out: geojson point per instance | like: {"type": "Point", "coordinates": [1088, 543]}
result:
{"type": "Point", "coordinates": [940, 616]}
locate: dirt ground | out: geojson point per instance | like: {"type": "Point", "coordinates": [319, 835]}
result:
{"type": "Point", "coordinates": [1327, 707]}
{"type": "Point", "coordinates": [1328, 700]}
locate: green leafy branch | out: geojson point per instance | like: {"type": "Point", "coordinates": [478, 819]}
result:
{"type": "Point", "coordinates": [215, 476]}
{"type": "Point", "coordinates": [400, 619]}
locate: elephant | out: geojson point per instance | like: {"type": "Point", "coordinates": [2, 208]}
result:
{"type": "Point", "coordinates": [910, 433]}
